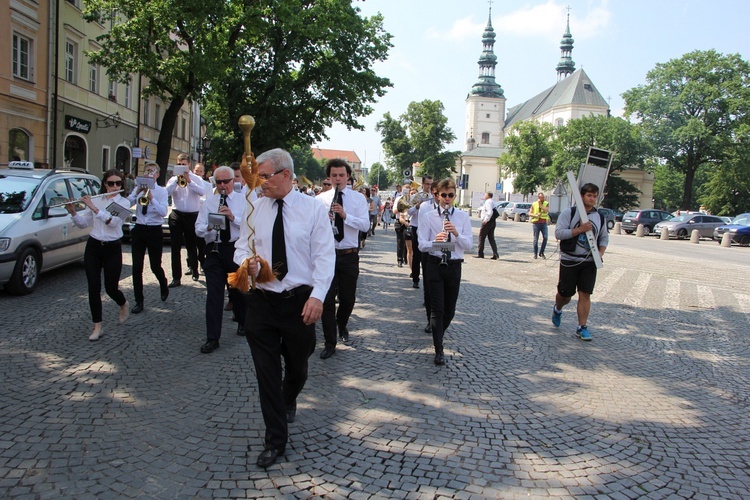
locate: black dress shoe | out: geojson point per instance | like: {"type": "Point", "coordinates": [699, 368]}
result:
{"type": "Point", "coordinates": [240, 330]}
{"type": "Point", "coordinates": [188, 272]}
{"type": "Point", "coordinates": [479, 256]}
{"type": "Point", "coordinates": [195, 276]}
{"type": "Point", "coordinates": [344, 333]}
{"type": "Point", "coordinates": [495, 257]}
{"type": "Point", "coordinates": [174, 284]}
{"type": "Point", "coordinates": [327, 352]}
{"type": "Point", "coordinates": [209, 346]}
{"type": "Point", "coordinates": [400, 264]}
{"type": "Point", "coordinates": [439, 359]}
{"type": "Point", "coordinates": [428, 328]}
{"type": "Point", "coordinates": [291, 415]}
{"type": "Point", "coordinates": [137, 308]}
{"type": "Point", "coordinates": [415, 285]}
{"type": "Point", "coordinates": [268, 457]}
{"type": "Point", "coordinates": [543, 256]}
{"type": "Point", "coordinates": [165, 294]}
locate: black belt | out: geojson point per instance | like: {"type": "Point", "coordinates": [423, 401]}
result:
{"type": "Point", "coordinates": [105, 243]}
{"type": "Point", "coordinates": [287, 294]}
{"type": "Point", "coordinates": [347, 251]}
{"type": "Point", "coordinates": [438, 260]}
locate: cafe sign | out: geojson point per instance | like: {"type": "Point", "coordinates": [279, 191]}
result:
{"type": "Point", "coordinates": [77, 124]}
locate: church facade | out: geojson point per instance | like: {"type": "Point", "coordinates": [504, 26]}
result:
{"type": "Point", "coordinates": [488, 121]}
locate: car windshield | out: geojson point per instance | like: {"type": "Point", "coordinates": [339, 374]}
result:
{"type": "Point", "coordinates": [16, 194]}
{"type": "Point", "coordinates": [631, 214]}
{"type": "Point", "coordinates": [681, 218]}
{"type": "Point", "coordinates": [742, 220]}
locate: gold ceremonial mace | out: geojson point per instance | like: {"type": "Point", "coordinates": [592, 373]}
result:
{"type": "Point", "coordinates": [246, 124]}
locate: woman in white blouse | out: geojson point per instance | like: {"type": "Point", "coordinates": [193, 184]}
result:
{"type": "Point", "coordinates": [104, 247]}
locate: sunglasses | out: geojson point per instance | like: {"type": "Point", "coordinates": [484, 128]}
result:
{"type": "Point", "coordinates": [114, 183]}
{"type": "Point", "coordinates": [447, 195]}
{"type": "Point", "coordinates": [327, 184]}
{"type": "Point", "coordinates": [223, 181]}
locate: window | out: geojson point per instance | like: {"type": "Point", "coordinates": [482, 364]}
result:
{"type": "Point", "coordinates": [94, 78]}
{"type": "Point", "coordinates": [105, 158]}
{"type": "Point", "coordinates": [128, 92]}
{"type": "Point", "coordinates": [157, 116]}
{"type": "Point", "coordinates": [146, 112]}
{"type": "Point", "coordinates": [184, 127]}
{"type": "Point", "coordinates": [485, 137]}
{"type": "Point", "coordinates": [71, 61]}
{"type": "Point", "coordinates": [112, 91]}
{"type": "Point", "coordinates": [75, 3]}
{"type": "Point", "coordinates": [22, 57]}
{"type": "Point", "coordinates": [559, 122]}
{"type": "Point", "coordinates": [18, 145]}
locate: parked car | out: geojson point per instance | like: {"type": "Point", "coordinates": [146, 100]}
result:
{"type": "Point", "coordinates": [739, 229]}
{"type": "Point", "coordinates": [618, 215]}
{"type": "Point", "coordinates": [35, 236]}
{"type": "Point", "coordinates": [608, 215]}
{"type": "Point", "coordinates": [727, 219]}
{"type": "Point", "coordinates": [649, 218]}
{"type": "Point", "coordinates": [682, 226]}
{"type": "Point", "coordinates": [522, 209]}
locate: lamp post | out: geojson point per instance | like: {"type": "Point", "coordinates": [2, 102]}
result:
{"type": "Point", "coordinates": [203, 148]}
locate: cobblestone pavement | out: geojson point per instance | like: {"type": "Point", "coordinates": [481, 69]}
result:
{"type": "Point", "coordinates": [656, 405]}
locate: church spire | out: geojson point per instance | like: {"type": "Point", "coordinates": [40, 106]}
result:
{"type": "Point", "coordinates": [486, 86]}
{"type": "Point", "coordinates": [566, 66]}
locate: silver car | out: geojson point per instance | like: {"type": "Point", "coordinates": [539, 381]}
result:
{"type": "Point", "coordinates": [520, 208]}
{"type": "Point", "coordinates": [34, 237]}
{"type": "Point", "coordinates": [683, 225]}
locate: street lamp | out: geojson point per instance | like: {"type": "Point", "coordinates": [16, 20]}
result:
{"type": "Point", "coordinates": [203, 148]}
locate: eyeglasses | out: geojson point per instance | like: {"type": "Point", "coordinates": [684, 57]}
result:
{"type": "Point", "coordinates": [265, 177]}
{"type": "Point", "coordinates": [114, 183]}
{"type": "Point", "coordinates": [447, 195]}
{"type": "Point", "coordinates": [223, 181]}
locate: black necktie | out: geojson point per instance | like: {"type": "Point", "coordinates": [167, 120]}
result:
{"type": "Point", "coordinates": [225, 234]}
{"type": "Point", "coordinates": [278, 245]}
{"type": "Point", "coordinates": [338, 221]}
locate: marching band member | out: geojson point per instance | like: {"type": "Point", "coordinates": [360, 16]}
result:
{"type": "Point", "coordinates": [219, 246]}
{"type": "Point", "coordinates": [443, 276]}
{"type": "Point", "coordinates": [147, 234]}
{"type": "Point", "coordinates": [186, 201]}
{"type": "Point", "coordinates": [103, 248]}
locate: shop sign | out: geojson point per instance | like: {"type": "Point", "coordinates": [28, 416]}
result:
{"type": "Point", "coordinates": [77, 124]}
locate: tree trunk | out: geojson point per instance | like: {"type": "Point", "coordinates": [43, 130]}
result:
{"type": "Point", "coordinates": [164, 143]}
{"type": "Point", "coordinates": [687, 193]}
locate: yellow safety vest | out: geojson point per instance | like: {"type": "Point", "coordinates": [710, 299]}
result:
{"type": "Point", "coordinates": [536, 213]}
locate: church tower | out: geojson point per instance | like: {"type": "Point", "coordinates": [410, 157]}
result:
{"type": "Point", "coordinates": [485, 103]}
{"type": "Point", "coordinates": [566, 66]}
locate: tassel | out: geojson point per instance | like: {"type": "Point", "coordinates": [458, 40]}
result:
{"type": "Point", "coordinates": [266, 273]}
{"type": "Point", "coordinates": [240, 279]}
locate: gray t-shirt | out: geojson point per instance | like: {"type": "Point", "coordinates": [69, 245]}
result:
{"type": "Point", "coordinates": [564, 231]}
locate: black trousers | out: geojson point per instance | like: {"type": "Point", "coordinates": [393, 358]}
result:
{"type": "Point", "coordinates": [345, 285]}
{"type": "Point", "coordinates": [144, 238]}
{"type": "Point", "coordinates": [103, 256]}
{"type": "Point", "coordinates": [487, 231]}
{"type": "Point", "coordinates": [400, 244]}
{"type": "Point", "coordinates": [217, 265]}
{"type": "Point", "coordinates": [277, 331]}
{"type": "Point", "coordinates": [416, 255]}
{"type": "Point", "coordinates": [444, 283]}
{"type": "Point", "coordinates": [182, 229]}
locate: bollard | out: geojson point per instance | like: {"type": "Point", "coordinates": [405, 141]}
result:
{"type": "Point", "coordinates": [695, 236]}
{"type": "Point", "coordinates": [517, 218]}
{"type": "Point", "coordinates": [639, 231]}
{"type": "Point", "coordinates": [505, 215]}
{"type": "Point", "coordinates": [618, 228]}
{"type": "Point", "coordinates": [726, 240]}
{"type": "Point", "coordinates": [664, 234]}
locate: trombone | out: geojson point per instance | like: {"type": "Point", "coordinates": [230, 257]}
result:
{"type": "Point", "coordinates": [80, 200]}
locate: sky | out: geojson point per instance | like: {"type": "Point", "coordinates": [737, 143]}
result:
{"type": "Point", "coordinates": [437, 43]}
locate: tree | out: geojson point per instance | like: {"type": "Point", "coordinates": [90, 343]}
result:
{"type": "Point", "coordinates": [690, 109]}
{"type": "Point", "coordinates": [530, 146]}
{"type": "Point", "coordinates": [727, 192]}
{"type": "Point", "coordinates": [305, 164]}
{"type": "Point", "coordinates": [382, 176]}
{"type": "Point", "coordinates": [630, 150]}
{"type": "Point", "coordinates": [309, 65]}
{"type": "Point", "coordinates": [419, 136]}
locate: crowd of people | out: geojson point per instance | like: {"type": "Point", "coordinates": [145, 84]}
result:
{"type": "Point", "coordinates": [311, 241]}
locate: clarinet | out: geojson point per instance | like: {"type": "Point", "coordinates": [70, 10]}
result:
{"type": "Point", "coordinates": [330, 212]}
{"type": "Point", "coordinates": [222, 202]}
{"type": "Point", "coordinates": [444, 256]}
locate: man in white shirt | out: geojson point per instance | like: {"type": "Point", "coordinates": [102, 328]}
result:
{"type": "Point", "coordinates": [219, 247]}
{"type": "Point", "coordinates": [489, 215]}
{"type": "Point", "coordinates": [147, 235]}
{"type": "Point", "coordinates": [443, 268]}
{"type": "Point", "coordinates": [348, 215]}
{"type": "Point", "coordinates": [293, 233]}
{"type": "Point", "coordinates": [200, 170]}
{"type": "Point", "coordinates": [186, 203]}
{"type": "Point", "coordinates": [416, 260]}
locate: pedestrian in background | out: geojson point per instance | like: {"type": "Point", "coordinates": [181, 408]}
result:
{"type": "Point", "coordinates": [487, 231]}
{"type": "Point", "coordinates": [539, 216]}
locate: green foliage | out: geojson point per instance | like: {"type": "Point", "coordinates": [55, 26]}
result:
{"type": "Point", "coordinates": [691, 109]}
{"type": "Point", "coordinates": [419, 136]}
{"type": "Point", "coordinates": [303, 66]}
{"type": "Point", "coordinates": [530, 146]}
{"type": "Point", "coordinates": [727, 191]}
{"type": "Point", "coordinates": [380, 176]}
{"type": "Point", "coordinates": [305, 164]}
{"type": "Point", "coordinates": [668, 186]}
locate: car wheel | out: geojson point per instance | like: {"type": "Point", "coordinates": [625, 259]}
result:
{"type": "Point", "coordinates": [682, 234]}
{"type": "Point", "coordinates": [610, 224]}
{"type": "Point", "coordinates": [628, 232]}
{"type": "Point", "coordinates": [745, 240]}
{"type": "Point", "coordinates": [26, 274]}
{"type": "Point", "coordinates": [523, 217]}
{"type": "Point", "coordinates": [646, 230]}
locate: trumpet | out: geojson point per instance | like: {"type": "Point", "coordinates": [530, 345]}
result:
{"type": "Point", "coordinates": [80, 200]}
{"type": "Point", "coordinates": [181, 181]}
{"type": "Point", "coordinates": [143, 199]}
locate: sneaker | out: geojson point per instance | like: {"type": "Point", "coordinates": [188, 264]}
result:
{"type": "Point", "coordinates": [556, 317]}
{"type": "Point", "coordinates": [543, 256]}
{"type": "Point", "coordinates": [583, 332]}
